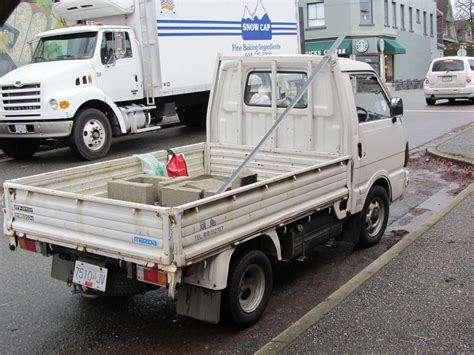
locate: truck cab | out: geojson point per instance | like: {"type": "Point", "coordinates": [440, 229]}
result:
{"type": "Point", "coordinates": [72, 69]}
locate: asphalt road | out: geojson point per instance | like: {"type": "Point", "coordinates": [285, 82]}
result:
{"type": "Point", "coordinates": [39, 314]}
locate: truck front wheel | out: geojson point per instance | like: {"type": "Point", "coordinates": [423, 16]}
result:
{"type": "Point", "coordinates": [91, 135]}
{"type": "Point", "coordinates": [249, 287]}
{"type": "Point", "coordinates": [374, 217]}
{"type": "Point", "coordinates": [19, 149]}
{"type": "Point", "coordinates": [192, 115]}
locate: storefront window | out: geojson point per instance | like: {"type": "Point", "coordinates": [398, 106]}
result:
{"type": "Point", "coordinates": [372, 60]}
{"type": "Point", "coordinates": [389, 68]}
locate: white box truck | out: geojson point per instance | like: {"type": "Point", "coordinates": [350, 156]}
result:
{"type": "Point", "coordinates": [331, 169]}
{"type": "Point", "coordinates": [90, 82]}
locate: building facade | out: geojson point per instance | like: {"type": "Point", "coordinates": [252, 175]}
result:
{"type": "Point", "coordinates": [396, 37]}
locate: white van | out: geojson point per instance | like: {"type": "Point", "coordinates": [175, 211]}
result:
{"type": "Point", "coordinates": [450, 78]}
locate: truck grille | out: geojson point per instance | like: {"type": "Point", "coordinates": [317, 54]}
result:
{"type": "Point", "coordinates": [24, 101]}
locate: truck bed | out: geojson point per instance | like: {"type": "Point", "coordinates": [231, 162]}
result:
{"type": "Point", "coordinates": [70, 207]}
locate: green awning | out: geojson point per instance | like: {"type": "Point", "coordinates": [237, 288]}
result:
{"type": "Point", "coordinates": [320, 47]}
{"type": "Point", "coordinates": [393, 47]}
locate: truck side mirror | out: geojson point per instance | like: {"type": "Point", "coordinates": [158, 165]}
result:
{"type": "Point", "coordinates": [119, 42]}
{"type": "Point", "coordinates": [396, 107]}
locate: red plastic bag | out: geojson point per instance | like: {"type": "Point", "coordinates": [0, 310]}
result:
{"type": "Point", "coordinates": [176, 164]}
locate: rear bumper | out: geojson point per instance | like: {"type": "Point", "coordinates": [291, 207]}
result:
{"type": "Point", "coordinates": [35, 129]}
{"type": "Point", "coordinates": [448, 93]}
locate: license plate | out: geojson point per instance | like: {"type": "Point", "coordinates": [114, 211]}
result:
{"type": "Point", "coordinates": [447, 79]}
{"type": "Point", "coordinates": [90, 275]}
{"type": "Point", "coordinates": [20, 128]}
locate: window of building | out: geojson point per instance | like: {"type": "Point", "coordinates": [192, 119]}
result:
{"type": "Point", "coordinates": [316, 14]}
{"type": "Point", "coordinates": [418, 16]}
{"type": "Point", "coordinates": [394, 10]}
{"type": "Point", "coordinates": [385, 12]}
{"type": "Point", "coordinates": [410, 18]}
{"type": "Point", "coordinates": [366, 12]}
{"type": "Point", "coordinates": [424, 23]}
{"type": "Point", "coordinates": [431, 26]}
{"type": "Point", "coordinates": [402, 17]}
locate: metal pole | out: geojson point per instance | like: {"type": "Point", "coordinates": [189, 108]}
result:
{"type": "Point", "coordinates": [284, 114]}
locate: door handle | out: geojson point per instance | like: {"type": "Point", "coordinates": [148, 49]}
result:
{"type": "Point", "coordinates": [359, 149]}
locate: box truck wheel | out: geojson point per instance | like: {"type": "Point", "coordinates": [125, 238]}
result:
{"type": "Point", "coordinates": [249, 287]}
{"type": "Point", "coordinates": [374, 216]}
{"type": "Point", "coordinates": [192, 115]}
{"type": "Point", "coordinates": [91, 135]}
{"type": "Point", "coordinates": [19, 149]}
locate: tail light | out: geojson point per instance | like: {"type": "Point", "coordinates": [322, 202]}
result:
{"type": "Point", "coordinates": [468, 78]}
{"type": "Point", "coordinates": [427, 79]}
{"type": "Point", "coordinates": [30, 245]}
{"type": "Point", "coordinates": [152, 276]}
{"type": "Point", "coordinates": [407, 156]}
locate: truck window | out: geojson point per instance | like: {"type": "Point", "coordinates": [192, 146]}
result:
{"type": "Point", "coordinates": [370, 99]}
{"type": "Point", "coordinates": [65, 47]}
{"type": "Point", "coordinates": [258, 90]}
{"type": "Point", "coordinates": [107, 48]}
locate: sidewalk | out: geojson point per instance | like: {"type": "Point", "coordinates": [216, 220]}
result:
{"type": "Point", "coordinates": [417, 297]}
{"type": "Point", "coordinates": [459, 148]}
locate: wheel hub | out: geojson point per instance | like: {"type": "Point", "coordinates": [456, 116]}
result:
{"type": "Point", "coordinates": [94, 134]}
{"type": "Point", "coordinates": [251, 288]}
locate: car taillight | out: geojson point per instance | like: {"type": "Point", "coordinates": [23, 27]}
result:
{"type": "Point", "coordinates": [427, 79]}
{"type": "Point", "coordinates": [407, 155]}
{"type": "Point", "coordinates": [468, 78]}
{"type": "Point", "coordinates": [30, 245]}
{"type": "Point", "coordinates": [152, 276]}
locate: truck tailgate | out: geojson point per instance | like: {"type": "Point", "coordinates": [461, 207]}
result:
{"type": "Point", "coordinates": [118, 229]}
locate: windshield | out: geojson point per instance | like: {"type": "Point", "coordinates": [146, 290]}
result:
{"type": "Point", "coordinates": [65, 47]}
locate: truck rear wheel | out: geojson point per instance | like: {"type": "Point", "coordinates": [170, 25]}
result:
{"type": "Point", "coordinates": [91, 135]}
{"type": "Point", "coordinates": [192, 115]}
{"type": "Point", "coordinates": [19, 149]}
{"type": "Point", "coordinates": [374, 217]}
{"type": "Point", "coordinates": [249, 287]}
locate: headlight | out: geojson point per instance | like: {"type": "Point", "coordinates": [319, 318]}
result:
{"type": "Point", "coordinates": [54, 104]}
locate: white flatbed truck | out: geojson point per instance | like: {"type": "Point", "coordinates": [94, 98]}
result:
{"type": "Point", "coordinates": [329, 170]}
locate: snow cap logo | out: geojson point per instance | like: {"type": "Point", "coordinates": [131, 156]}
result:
{"type": "Point", "coordinates": [256, 25]}
{"type": "Point", "coordinates": [167, 5]}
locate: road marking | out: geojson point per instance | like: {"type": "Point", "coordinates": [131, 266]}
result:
{"type": "Point", "coordinates": [290, 335]}
{"type": "Point", "coordinates": [438, 111]}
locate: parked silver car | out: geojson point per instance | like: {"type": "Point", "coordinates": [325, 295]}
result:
{"type": "Point", "coordinates": [449, 78]}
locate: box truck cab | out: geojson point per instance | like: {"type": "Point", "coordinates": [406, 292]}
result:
{"type": "Point", "coordinates": [137, 62]}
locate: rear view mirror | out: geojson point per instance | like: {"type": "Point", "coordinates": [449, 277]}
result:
{"type": "Point", "coordinates": [119, 41]}
{"type": "Point", "coordinates": [396, 107]}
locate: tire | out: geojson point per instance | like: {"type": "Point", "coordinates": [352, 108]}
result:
{"type": "Point", "coordinates": [19, 149]}
{"type": "Point", "coordinates": [452, 101]}
{"type": "Point", "coordinates": [249, 288]}
{"type": "Point", "coordinates": [374, 217]}
{"type": "Point", "coordinates": [430, 102]}
{"type": "Point", "coordinates": [91, 135]}
{"type": "Point", "coordinates": [192, 115]}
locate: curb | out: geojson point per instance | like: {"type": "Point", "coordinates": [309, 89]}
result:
{"type": "Point", "coordinates": [434, 151]}
{"type": "Point", "coordinates": [288, 336]}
